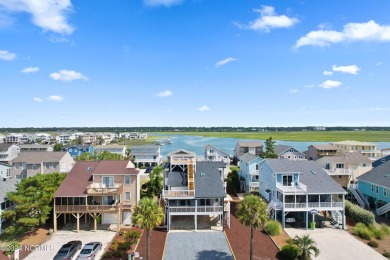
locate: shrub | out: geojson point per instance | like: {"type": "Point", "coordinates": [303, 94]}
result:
{"type": "Point", "coordinates": [233, 181]}
{"type": "Point", "coordinates": [273, 228]}
{"type": "Point", "coordinates": [385, 229]}
{"type": "Point", "coordinates": [378, 233]}
{"type": "Point", "coordinates": [386, 254]}
{"type": "Point", "coordinates": [311, 225]}
{"type": "Point", "coordinates": [359, 214]}
{"type": "Point", "coordinates": [362, 231]}
{"type": "Point", "coordinates": [11, 247]}
{"type": "Point", "coordinates": [131, 236]}
{"type": "Point", "coordinates": [288, 252]}
{"type": "Point", "coordinates": [373, 244]}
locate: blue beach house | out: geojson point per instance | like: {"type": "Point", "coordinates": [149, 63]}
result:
{"type": "Point", "coordinates": [249, 172]}
{"type": "Point", "coordinates": [375, 186]}
{"type": "Point", "coordinates": [77, 150]}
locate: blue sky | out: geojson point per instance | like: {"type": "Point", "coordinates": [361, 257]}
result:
{"type": "Point", "coordinates": [194, 63]}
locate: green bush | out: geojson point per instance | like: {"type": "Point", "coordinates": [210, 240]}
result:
{"type": "Point", "coordinates": [373, 244]}
{"type": "Point", "coordinates": [378, 233]}
{"type": "Point", "coordinates": [288, 252]}
{"type": "Point", "coordinates": [359, 214]}
{"type": "Point", "coordinates": [273, 228]}
{"type": "Point", "coordinates": [362, 231]}
{"type": "Point", "coordinates": [386, 254]}
{"type": "Point", "coordinates": [385, 229]}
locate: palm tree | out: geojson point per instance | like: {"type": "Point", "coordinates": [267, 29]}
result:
{"type": "Point", "coordinates": [252, 211]}
{"type": "Point", "coordinates": [306, 246]}
{"type": "Point", "coordinates": [147, 215]}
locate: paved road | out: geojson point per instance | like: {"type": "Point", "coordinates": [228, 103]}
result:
{"type": "Point", "coordinates": [50, 248]}
{"type": "Point", "coordinates": [197, 245]}
{"type": "Point", "coordinates": [337, 244]}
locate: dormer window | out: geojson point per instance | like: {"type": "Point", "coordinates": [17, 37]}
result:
{"type": "Point", "coordinates": [287, 180]}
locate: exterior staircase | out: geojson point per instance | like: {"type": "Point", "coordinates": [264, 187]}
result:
{"type": "Point", "coordinates": [336, 218]}
{"type": "Point", "coordinates": [191, 183]}
{"type": "Point", "coordinates": [358, 197]}
{"type": "Point", "coordinates": [363, 198]}
{"type": "Point", "coordinates": [383, 209]}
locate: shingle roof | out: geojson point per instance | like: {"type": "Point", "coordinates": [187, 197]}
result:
{"type": "Point", "coordinates": [34, 145]}
{"type": "Point", "coordinates": [175, 179]}
{"type": "Point", "coordinates": [7, 186]}
{"type": "Point", "coordinates": [352, 142]}
{"type": "Point", "coordinates": [379, 175]}
{"type": "Point", "coordinates": [144, 149]}
{"type": "Point", "coordinates": [4, 147]}
{"type": "Point", "coordinates": [77, 180]}
{"type": "Point", "coordinates": [39, 157]}
{"type": "Point", "coordinates": [209, 146]}
{"type": "Point", "coordinates": [81, 146]}
{"type": "Point", "coordinates": [248, 157]}
{"type": "Point", "coordinates": [311, 174]}
{"type": "Point", "coordinates": [208, 182]}
{"type": "Point", "coordinates": [250, 144]}
{"type": "Point", "coordinates": [324, 147]}
{"type": "Point", "coordinates": [280, 148]}
{"type": "Point", "coordinates": [350, 158]}
{"type": "Point", "coordinates": [79, 177]}
{"type": "Point", "coordinates": [180, 152]}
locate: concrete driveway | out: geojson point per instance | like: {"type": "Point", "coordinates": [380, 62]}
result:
{"type": "Point", "coordinates": [337, 244]}
{"type": "Point", "coordinates": [207, 245]}
{"type": "Point", "coordinates": [50, 248]}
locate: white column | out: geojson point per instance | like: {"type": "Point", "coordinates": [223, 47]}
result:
{"type": "Point", "coordinates": [196, 215]}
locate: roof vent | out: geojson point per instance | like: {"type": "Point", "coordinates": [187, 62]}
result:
{"type": "Point", "coordinates": [89, 168]}
{"type": "Point", "coordinates": [202, 174]}
{"type": "Point", "coordinates": [313, 172]}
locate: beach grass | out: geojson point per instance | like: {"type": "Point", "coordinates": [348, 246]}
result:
{"type": "Point", "coordinates": [304, 136]}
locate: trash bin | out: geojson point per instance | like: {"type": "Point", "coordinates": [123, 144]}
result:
{"type": "Point", "coordinates": [322, 224]}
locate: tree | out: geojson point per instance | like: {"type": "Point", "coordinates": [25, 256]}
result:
{"type": "Point", "coordinates": [233, 180]}
{"type": "Point", "coordinates": [105, 155]}
{"type": "Point", "coordinates": [270, 149]}
{"type": "Point", "coordinates": [306, 246]}
{"type": "Point", "coordinates": [58, 147]}
{"type": "Point", "coordinates": [147, 215]}
{"type": "Point", "coordinates": [252, 212]}
{"type": "Point", "coordinates": [154, 186]}
{"type": "Point", "coordinates": [33, 198]}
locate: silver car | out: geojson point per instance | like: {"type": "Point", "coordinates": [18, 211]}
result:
{"type": "Point", "coordinates": [89, 251]}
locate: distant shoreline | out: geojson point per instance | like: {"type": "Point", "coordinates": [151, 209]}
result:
{"type": "Point", "coordinates": [302, 136]}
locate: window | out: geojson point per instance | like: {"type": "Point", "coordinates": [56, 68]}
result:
{"type": "Point", "coordinates": [340, 165]}
{"type": "Point", "coordinates": [372, 187]}
{"type": "Point", "coordinates": [108, 181]}
{"type": "Point", "coordinates": [287, 180]}
{"type": "Point", "coordinates": [385, 192]}
{"type": "Point", "coordinates": [257, 167]}
{"type": "Point", "coordinates": [127, 196]}
{"type": "Point", "coordinates": [127, 179]}
{"type": "Point", "coordinates": [377, 189]}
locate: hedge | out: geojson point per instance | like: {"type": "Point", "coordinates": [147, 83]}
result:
{"type": "Point", "coordinates": [288, 252]}
{"type": "Point", "coordinates": [359, 214]}
{"type": "Point", "coordinates": [273, 228]}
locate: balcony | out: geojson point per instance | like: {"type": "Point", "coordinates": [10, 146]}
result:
{"type": "Point", "coordinates": [181, 161]}
{"type": "Point", "coordinates": [178, 193]}
{"type": "Point", "coordinates": [298, 188]}
{"type": "Point", "coordinates": [311, 205]}
{"type": "Point", "coordinates": [338, 171]}
{"type": "Point", "coordinates": [200, 210]}
{"type": "Point", "coordinates": [101, 189]}
{"type": "Point", "coordinates": [85, 208]}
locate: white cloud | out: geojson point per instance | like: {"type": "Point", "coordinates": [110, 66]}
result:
{"type": "Point", "coordinates": [327, 73]}
{"type": "Point", "coordinates": [309, 86]}
{"type": "Point", "coordinates": [224, 62]}
{"type": "Point", "coordinates": [166, 3]}
{"type": "Point", "coordinates": [6, 55]}
{"type": "Point", "coordinates": [55, 98]}
{"type": "Point", "coordinates": [330, 84]}
{"type": "Point", "coordinates": [269, 20]}
{"type": "Point", "coordinates": [204, 108]}
{"type": "Point", "coordinates": [351, 69]}
{"type": "Point", "coordinates": [294, 90]}
{"type": "Point", "coordinates": [50, 15]}
{"type": "Point", "coordinates": [165, 93]}
{"type": "Point", "coordinates": [379, 63]}
{"type": "Point", "coordinates": [67, 75]}
{"type": "Point", "coordinates": [30, 70]}
{"type": "Point", "coordinates": [369, 31]}
{"type": "Point", "coordinates": [37, 100]}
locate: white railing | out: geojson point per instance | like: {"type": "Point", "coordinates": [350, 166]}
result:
{"type": "Point", "coordinates": [147, 160]}
{"type": "Point", "coordinates": [178, 193]}
{"type": "Point", "coordinates": [313, 205]}
{"type": "Point", "coordinates": [383, 209]}
{"type": "Point", "coordinates": [254, 172]}
{"type": "Point", "coordinates": [182, 161]}
{"type": "Point", "coordinates": [299, 188]}
{"type": "Point", "coordinates": [192, 209]}
{"type": "Point", "coordinates": [254, 184]}
{"type": "Point", "coordinates": [295, 205]}
{"type": "Point", "coordinates": [337, 171]}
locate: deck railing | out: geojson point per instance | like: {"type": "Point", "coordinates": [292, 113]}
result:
{"type": "Point", "coordinates": [192, 209]}
{"type": "Point", "coordinates": [297, 188]}
{"type": "Point", "coordinates": [336, 171]}
{"type": "Point", "coordinates": [85, 208]}
{"type": "Point", "coordinates": [99, 188]}
{"type": "Point", "coordinates": [313, 205]}
{"type": "Point", "coordinates": [178, 193]}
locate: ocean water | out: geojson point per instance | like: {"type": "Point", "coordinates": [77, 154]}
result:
{"type": "Point", "coordinates": [196, 144]}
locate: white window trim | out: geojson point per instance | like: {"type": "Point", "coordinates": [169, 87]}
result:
{"type": "Point", "coordinates": [128, 192]}
{"type": "Point", "coordinates": [124, 180]}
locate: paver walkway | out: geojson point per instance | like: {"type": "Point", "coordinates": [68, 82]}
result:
{"type": "Point", "coordinates": [337, 244]}
{"type": "Point", "coordinates": [197, 245]}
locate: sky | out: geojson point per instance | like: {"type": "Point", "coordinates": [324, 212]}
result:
{"type": "Point", "coordinates": [239, 63]}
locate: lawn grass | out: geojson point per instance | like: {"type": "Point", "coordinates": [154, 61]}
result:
{"type": "Point", "coordinates": [304, 136]}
